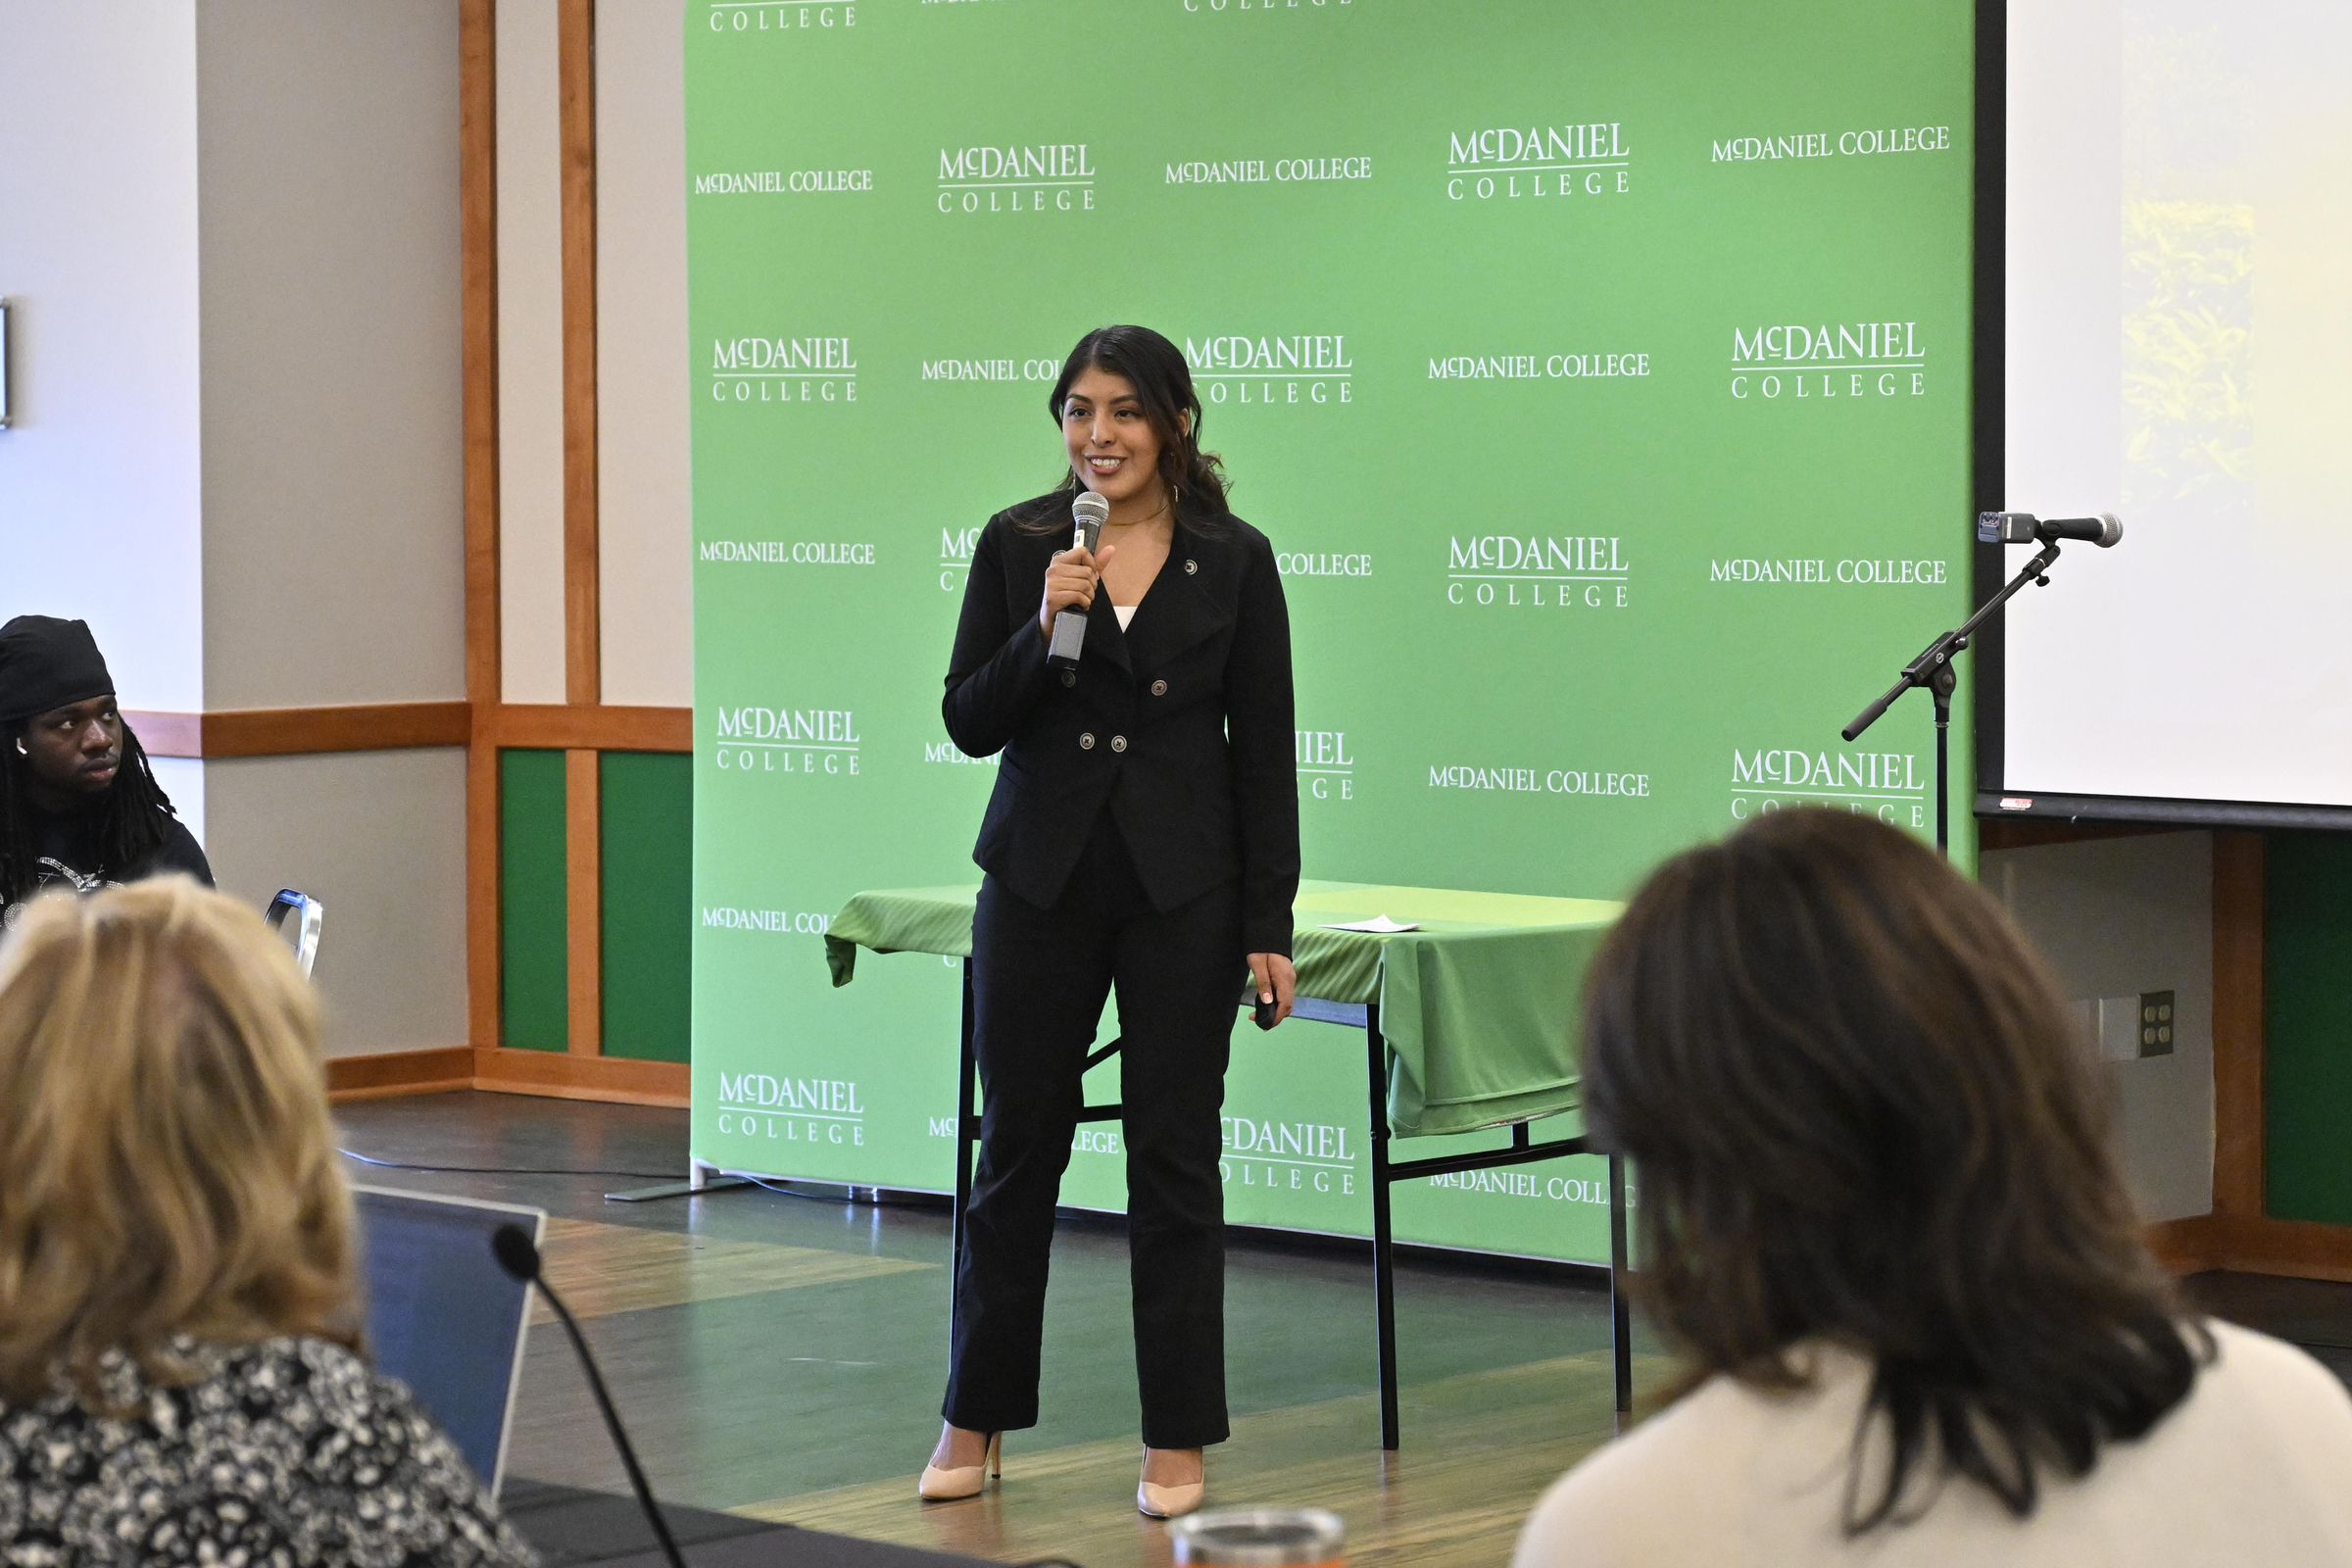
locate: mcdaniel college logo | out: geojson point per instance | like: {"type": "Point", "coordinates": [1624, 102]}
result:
{"type": "Point", "coordinates": [783, 372]}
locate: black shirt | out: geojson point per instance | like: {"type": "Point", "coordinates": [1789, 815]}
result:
{"type": "Point", "coordinates": [65, 851]}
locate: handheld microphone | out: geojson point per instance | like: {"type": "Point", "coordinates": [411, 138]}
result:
{"type": "Point", "coordinates": [519, 1255]}
{"type": "Point", "coordinates": [2024, 528]}
{"type": "Point", "coordinates": [1088, 511]}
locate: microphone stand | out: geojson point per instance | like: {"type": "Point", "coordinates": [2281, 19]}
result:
{"type": "Point", "coordinates": [519, 1255]}
{"type": "Point", "coordinates": [1932, 669]}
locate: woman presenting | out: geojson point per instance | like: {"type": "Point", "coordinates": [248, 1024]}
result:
{"type": "Point", "coordinates": [1143, 836]}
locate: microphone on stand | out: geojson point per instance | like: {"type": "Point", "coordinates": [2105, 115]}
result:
{"type": "Point", "coordinates": [2024, 528]}
{"type": "Point", "coordinates": [1088, 511]}
{"type": "Point", "coordinates": [519, 1255]}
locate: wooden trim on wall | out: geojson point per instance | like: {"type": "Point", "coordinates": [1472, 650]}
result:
{"type": "Point", "coordinates": [303, 731]}
{"type": "Point", "coordinates": [583, 904]}
{"type": "Point", "coordinates": [560, 728]}
{"type": "Point", "coordinates": [621, 1079]}
{"type": "Point", "coordinates": [2185, 1245]}
{"type": "Point", "coordinates": [399, 1072]}
{"type": "Point", "coordinates": [2253, 1244]}
{"type": "Point", "coordinates": [485, 676]}
{"type": "Point", "coordinates": [2237, 1024]}
{"type": "Point", "coordinates": [575, 67]}
{"type": "Point", "coordinates": [394, 726]}
{"type": "Point", "coordinates": [624, 1080]}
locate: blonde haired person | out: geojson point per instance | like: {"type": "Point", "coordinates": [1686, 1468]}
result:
{"type": "Point", "coordinates": [179, 1370]}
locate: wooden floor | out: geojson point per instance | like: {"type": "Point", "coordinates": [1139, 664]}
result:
{"type": "Point", "coordinates": [1484, 1445]}
{"type": "Point", "coordinates": [781, 1357]}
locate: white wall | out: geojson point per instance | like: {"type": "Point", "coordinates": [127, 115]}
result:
{"type": "Point", "coordinates": [2116, 918]}
{"type": "Point", "coordinates": [334, 505]}
{"type": "Point", "coordinates": [99, 498]}
{"type": "Point", "coordinates": [530, 355]}
{"type": "Point", "coordinates": [232, 229]}
{"type": "Point", "coordinates": [644, 503]}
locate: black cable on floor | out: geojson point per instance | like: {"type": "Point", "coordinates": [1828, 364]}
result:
{"type": "Point", "coordinates": [503, 1170]}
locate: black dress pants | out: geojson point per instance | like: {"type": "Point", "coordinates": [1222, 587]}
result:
{"type": "Point", "coordinates": [1039, 981]}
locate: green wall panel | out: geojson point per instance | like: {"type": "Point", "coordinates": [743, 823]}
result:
{"type": "Point", "coordinates": [530, 850]}
{"type": "Point", "coordinates": [2306, 1099]}
{"type": "Point", "coordinates": [1613, 455]}
{"type": "Point", "coordinates": [648, 858]}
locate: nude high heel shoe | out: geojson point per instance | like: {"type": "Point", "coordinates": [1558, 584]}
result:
{"type": "Point", "coordinates": [1168, 1503]}
{"type": "Point", "coordinates": [964, 1481]}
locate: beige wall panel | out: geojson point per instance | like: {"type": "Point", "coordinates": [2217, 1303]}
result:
{"type": "Point", "coordinates": [379, 838]}
{"type": "Point", "coordinates": [646, 530]}
{"type": "Point", "coordinates": [2117, 917]}
{"type": "Point", "coordinates": [100, 506]}
{"type": "Point", "coordinates": [327, 177]}
{"type": "Point", "coordinates": [530, 356]}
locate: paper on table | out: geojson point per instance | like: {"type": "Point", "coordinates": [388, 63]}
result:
{"type": "Point", "coordinates": [1378, 925]}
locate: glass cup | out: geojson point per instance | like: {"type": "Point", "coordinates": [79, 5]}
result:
{"type": "Point", "coordinates": [1260, 1538]}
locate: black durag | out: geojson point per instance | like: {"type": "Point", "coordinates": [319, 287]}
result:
{"type": "Point", "coordinates": [46, 663]}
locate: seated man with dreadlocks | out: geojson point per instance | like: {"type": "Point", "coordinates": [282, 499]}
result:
{"type": "Point", "coordinates": [79, 807]}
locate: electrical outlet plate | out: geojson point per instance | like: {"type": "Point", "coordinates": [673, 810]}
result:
{"type": "Point", "coordinates": [2119, 1028]}
{"type": "Point", "coordinates": [2130, 1028]}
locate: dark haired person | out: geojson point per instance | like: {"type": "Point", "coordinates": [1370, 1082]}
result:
{"type": "Point", "coordinates": [1143, 836]}
{"type": "Point", "coordinates": [79, 807]}
{"type": "Point", "coordinates": [1884, 1227]}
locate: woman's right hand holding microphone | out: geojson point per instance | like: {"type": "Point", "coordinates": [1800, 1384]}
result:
{"type": "Point", "coordinates": [1070, 581]}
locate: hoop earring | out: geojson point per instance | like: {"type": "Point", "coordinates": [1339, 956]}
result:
{"type": "Point", "coordinates": [21, 751]}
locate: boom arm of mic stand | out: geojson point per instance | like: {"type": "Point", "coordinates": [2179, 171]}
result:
{"type": "Point", "coordinates": [1938, 655]}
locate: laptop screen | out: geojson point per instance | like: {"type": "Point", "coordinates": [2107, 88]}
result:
{"type": "Point", "coordinates": [442, 1316]}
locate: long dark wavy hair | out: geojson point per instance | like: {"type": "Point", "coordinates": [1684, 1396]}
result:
{"type": "Point", "coordinates": [1859, 1113]}
{"type": "Point", "coordinates": [129, 814]}
{"type": "Point", "coordinates": [1164, 384]}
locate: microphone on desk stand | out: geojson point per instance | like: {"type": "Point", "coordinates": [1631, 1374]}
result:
{"type": "Point", "coordinates": [519, 1255]}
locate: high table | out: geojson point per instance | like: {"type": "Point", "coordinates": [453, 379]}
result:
{"type": "Point", "coordinates": [1469, 1020]}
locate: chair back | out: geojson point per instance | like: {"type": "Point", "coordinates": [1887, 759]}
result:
{"type": "Point", "coordinates": [306, 932]}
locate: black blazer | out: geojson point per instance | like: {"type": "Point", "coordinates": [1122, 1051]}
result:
{"type": "Point", "coordinates": [1182, 723]}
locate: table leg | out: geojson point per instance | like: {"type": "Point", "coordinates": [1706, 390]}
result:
{"type": "Point", "coordinates": [1384, 1263]}
{"type": "Point", "coordinates": [1621, 1326]}
{"type": "Point", "coordinates": [967, 1069]}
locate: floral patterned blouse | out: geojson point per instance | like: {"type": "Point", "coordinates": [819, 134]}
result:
{"type": "Point", "coordinates": [284, 1454]}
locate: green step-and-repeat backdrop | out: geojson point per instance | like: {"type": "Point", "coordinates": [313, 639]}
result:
{"type": "Point", "coordinates": [1601, 375]}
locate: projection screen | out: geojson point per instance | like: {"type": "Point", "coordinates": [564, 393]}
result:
{"type": "Point", "coordinates": [2179, 350]}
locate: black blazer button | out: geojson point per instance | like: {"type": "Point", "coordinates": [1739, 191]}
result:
{"type": "Point", "coordinates": [1190, 567]}
{"type": "Point", "coordinates": [1159, 688]}
{"type": "Point", "coordinates": [1118, 743]}
{"type": "Point", "coordinates": [1086, 742]}
{"type": "Point", "coordinates": [1069, 678]}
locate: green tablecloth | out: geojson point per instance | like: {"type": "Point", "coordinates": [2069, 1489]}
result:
{"type": "Point", "coordinates": [1479, 1007]}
